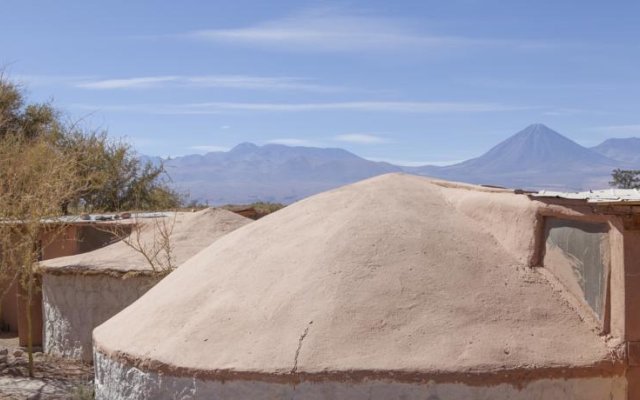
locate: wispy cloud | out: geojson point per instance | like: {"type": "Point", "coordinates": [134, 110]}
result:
{"type": "Point", "coordinates": [248, 82]}
{"type": "Point", "coordinates": [355, 106]}
{"type": "Point", "coordinates": [208, 148]}
{"type": "Point", "coordinates": [315, 31]}
{"type": "Point", "coordinates": [632, 129]}
{"type": "Point", "coordinates": [208, 81]}
{"type": "Point", "coordinates": [514, 84]}
{"type": "Point", "coordinates": [360, 138]}
{"type": "Point", "coordinates": [412, 163]}
{"type": "Point", "coordinates": [365, 106]}
{"type": "Point", "coordinates": [567, 111]}
{"type": "Point", "coordinates": [291, 142]}
{"type": "Point", "coordinates": [50, 80]}
{"type": "Point", "coordinates": [127, 83]}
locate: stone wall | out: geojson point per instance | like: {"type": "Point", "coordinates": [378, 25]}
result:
{"type": "Point", "coordinates": [75, 304]}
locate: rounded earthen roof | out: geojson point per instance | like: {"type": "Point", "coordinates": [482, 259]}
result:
{"type": "Point", "coordinates": [396, 274]}
{"type": "Point", "coordinates": [190, 232]}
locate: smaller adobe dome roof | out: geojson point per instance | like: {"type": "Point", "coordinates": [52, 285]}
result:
{"type": "Point", "coordinates": [190, 233]}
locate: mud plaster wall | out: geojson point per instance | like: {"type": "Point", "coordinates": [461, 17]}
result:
{"type": "Point", "coordinates": [632, 284]}
{"type": "Point", "coordinates": [63, 245]}
{"type": "Point", "coordinates": [132, 383]}
{"type": "Point", "coordinates": [75, 239]}
{"type": "Point", "coordinates": [75, 304]}
{"type": "Point", "coordinates": [9, 317]}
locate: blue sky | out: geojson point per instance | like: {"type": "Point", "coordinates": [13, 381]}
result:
{"type": "Point", "coordinates": [406, 81]}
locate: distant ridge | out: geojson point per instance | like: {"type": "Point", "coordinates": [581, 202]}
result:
{"type": "Point", "coordinates": [627, 149]}
{"type": "Point", "coordinates": [272, 172]}
{"type": "Point", "coordinates": [536, 157]}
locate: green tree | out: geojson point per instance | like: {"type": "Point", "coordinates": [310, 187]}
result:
{"type": "Point", "coordinates": [625, 179]}
{"type": "Point", "coordinates": [27, 120]}
{"type": "Point", "coordinates": [48, 167]}
{"type": "Point", "coordinates": [113, 176]}
{"type": "Point", "coordinates": [118, 179]}
{"type": "Point", "coordinates": [34, 177]}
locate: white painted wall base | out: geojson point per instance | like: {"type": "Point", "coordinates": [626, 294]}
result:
{"type": "Point", "coordinates": [115, 381]}
{"type": "Point", "coordinates": [73, 305]}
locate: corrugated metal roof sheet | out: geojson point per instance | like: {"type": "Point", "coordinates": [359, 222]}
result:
{"type": "Point", "coordinates": [595, 196]}
{"type": "Point", "coordinates": [78, 219]}
{"type": "Point", "coordinates": [83, 219]}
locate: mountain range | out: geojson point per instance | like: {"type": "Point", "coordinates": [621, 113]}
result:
{"type": "Point", "coordinates": [627, 150]}
{"type": "Point", "coordinates": [273, 172]}
{"type": "Point", "coordinates": [535, 158]}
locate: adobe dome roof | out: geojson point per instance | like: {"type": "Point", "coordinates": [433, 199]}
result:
{"type": "Point", "coordinates": [394, 275]}
{"type": "Point", "coordinates": [190, 233]}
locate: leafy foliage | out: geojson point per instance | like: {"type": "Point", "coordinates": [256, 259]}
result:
{"type": "Point", "coordinates": [35, 176]}
{"type": "Point", "coordinates": [118, 180]}
{"type": "Point", "coordinates": [48, 167]}
{"type": "Point", "coordinates": [112, 176]}
{"type": "Point", "coordinates": [625, 179]}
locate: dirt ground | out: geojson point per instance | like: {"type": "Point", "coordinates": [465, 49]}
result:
{"type": "Point", "coordinates": [55, 378]}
